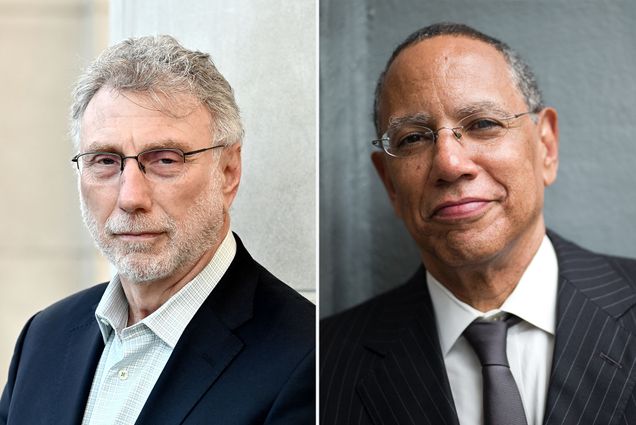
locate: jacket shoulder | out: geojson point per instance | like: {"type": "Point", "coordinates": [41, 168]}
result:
{"type": "Point", "coordinates": [351, 324]}
{"type": "Point", "coordinates": [626, 267]}
{"type": "Point", "coordinates": [249, 295]}
{"type": "Point", "coordinates": [284, 309]}
{"type": "Point", "coordinates": [67, 308]}
{"type": "Point", "coordinates": [568, 252]}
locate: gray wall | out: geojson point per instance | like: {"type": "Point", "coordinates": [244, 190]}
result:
{"type": "Point", "coordinates": [584, 55]}
{"type": "Point", "coordinates": [266, 50]}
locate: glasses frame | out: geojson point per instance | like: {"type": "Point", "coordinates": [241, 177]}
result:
{"type": "Point", "coordinates": [383, 142]}
{"type": "Point", "coordinates": [76, 158]}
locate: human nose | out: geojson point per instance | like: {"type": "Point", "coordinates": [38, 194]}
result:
{"type": "Point", "coordinates": [451, 159]}
{"type": "Point", "coordinates": [134, 190]}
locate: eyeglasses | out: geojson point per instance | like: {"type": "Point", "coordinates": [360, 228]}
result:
{"type": "Point", "coordinates": [156, 164]}
{"type": "Point", "coordinates": [476, 130]}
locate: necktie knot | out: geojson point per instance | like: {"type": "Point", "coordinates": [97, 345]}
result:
{"type": "Point", "coordinates": [488, 339]}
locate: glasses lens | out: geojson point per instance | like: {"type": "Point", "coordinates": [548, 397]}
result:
{"type": "Point", "coordinates": [99, 166]}
{"type": "Point", "coordinates": [484, 127]}
{"type": "Point", "coordinates": [164, 163]}
{"type": "Point", "coordinates": [407, 141]}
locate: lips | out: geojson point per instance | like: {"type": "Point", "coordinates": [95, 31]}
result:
{"type": "Point", "coordinates": [460, 208]}
{"type": "Point", "coordinates": [137, 236]}
{"type": "Point", "coordinates": [139, 227]}
{"type": "Point", "coordinates": [150, 232]}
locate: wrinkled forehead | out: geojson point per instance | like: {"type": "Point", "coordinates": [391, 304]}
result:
{"type": "Point", "coordinates": [442, 75]}
{"type": "Point", "coordinates": [174, 103]}
{"type": "Point", "coordinates": [114, 117]}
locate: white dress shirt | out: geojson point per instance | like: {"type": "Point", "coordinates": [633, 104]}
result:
{"type": "Point", "coordinates": [134, 356]}
{"type": "Point", "coordinates": [530, 343]}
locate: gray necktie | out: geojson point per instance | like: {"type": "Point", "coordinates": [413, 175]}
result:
{"type": "Point", "coordinates": [502, 402]}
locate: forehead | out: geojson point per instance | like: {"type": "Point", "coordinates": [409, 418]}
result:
{"type": "Point", "coordinates": [115, 119]}
{"type": "Point", "coordinates": [443, 75]}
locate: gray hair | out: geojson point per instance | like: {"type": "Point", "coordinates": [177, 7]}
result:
{"type": "Point", "coordinates": [162, 68]}
{"type": "Point", "coordinates": [522, 75]}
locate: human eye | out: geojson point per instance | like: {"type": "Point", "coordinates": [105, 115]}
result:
{"type": "Point", "coordinates": [99, 166]}
{"type": "Point", "coordinates": [413, 138]}
{"type": "Point", "coordinates": [484, 127]}
{"type": "Point", "coordinates": [162, 162]}
{"type": "Point", "coordinates": [409, 140]}
{"type": "Point", "coordinates": [101, 160]}
{"type": "Point", "coordinates": [162, 157]}
{"type": "Point", "coordinates": [480, 124]}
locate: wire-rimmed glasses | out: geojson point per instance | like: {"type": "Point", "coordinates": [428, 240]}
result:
{"type": "Point", "coordinates": [157, 164]}
{"type": "Point", "coordinates": [409, 137]}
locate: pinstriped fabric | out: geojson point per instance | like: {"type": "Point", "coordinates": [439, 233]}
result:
{"type": "Point", "coordinates": [381, 364]}
{"type": "Point", "coordinates": [337, 349]}
{"type": "Point", "coordinates": [407, 384]}
{"type": "Point", "coordinates": [594, 363]}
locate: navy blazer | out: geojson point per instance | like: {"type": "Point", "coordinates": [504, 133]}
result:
{"type": "Point", "coordinates": [381, 361]}
{"type": "Point", "coordinates": [247, 357]}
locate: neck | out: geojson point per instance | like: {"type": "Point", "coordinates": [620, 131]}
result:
{"type": "Point", "coordinates": [144, 298]}
{"type": "Point", "coordinates": [487, 285]}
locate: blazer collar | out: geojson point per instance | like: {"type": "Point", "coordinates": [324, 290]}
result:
{"type": "Point", "coordinates": [594, 361]}
{"type": "Point", "coordinates": [407, 383]}
{"type": "Point", "coordinates": [207, 345]}
{"type": "Point", "coordinates": [593, 367]}
{"type": "Point", "coordinates": [596, 276]}
{"type": "Point", "coordinates": [83, 350]}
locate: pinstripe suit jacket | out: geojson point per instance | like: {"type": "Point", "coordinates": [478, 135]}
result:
{"type": "Point", "coordinates": [381, 362]}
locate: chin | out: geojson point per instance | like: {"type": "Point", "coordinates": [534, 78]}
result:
{"type": "Point", "coordinates": [142, 268]}
{"type": "Point", "coordinates": [464, 247]}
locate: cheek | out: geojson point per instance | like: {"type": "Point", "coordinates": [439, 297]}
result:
{"type": "Point", "coordinates": [99, 201]}
{"type": "Point", "coordinates": [410, 190]}
{"type": "Point", "coordinates": [176, 200]}
{"type": "Point", "coordinates": [519, 172]}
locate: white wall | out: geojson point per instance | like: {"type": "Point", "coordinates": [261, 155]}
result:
{"type": "Point", "coordinates": [266, 49]}
{"type": "Point", "coordinates": [45, 253]}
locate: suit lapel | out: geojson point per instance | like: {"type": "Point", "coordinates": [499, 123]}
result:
{"type": "Point", "coordinates": [407, 382]}
{"type": "Point", "coordinates": [83, 350]}
{"type": "Point", "coordinates": [193, 368]}
{"type": "Point", "coordinates": [207, 346]}
{"type": "Point", "coordinates": [594, 362]}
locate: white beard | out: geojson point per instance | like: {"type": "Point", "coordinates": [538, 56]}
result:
{"type": "Point", "coordinates": [187, 241]}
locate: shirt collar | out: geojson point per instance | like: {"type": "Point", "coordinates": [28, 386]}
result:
{"type": "Point", "coordinates": [112, 310]}
{"type": "Point", "coordinates": [170, 320]}
{"type": "Point", "coordinates": [533, 299]}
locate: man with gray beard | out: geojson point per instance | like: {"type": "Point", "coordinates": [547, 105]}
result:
{"type": "Point", "coordinates": [191, 330]}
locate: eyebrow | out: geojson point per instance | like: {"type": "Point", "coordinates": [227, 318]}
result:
{"type": "Point", "coordinates": [420, 118]}
{"type": "Point", "coordinates": [425, 119]}
{"type": "Point", "coordinates": [475, 107]}
{"type": "Point", "coordinates": [159, 144]}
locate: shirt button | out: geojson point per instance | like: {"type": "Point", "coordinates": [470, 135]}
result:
{"type": "Point", "coordinates": [122, 374]}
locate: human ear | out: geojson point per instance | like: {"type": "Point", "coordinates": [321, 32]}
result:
{"type": "Point", "coordinates": [230, 167]}
{"type": "Point", "coordinates": [549, 138]}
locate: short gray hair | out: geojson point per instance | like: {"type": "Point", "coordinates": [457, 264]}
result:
{"type": "Point", "coordinates": [521, 73]}
{"type": "Point", "coordinates": [160, 67]}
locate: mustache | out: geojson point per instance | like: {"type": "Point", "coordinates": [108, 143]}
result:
{"type": "Point", "coordinates": [127, 223]}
